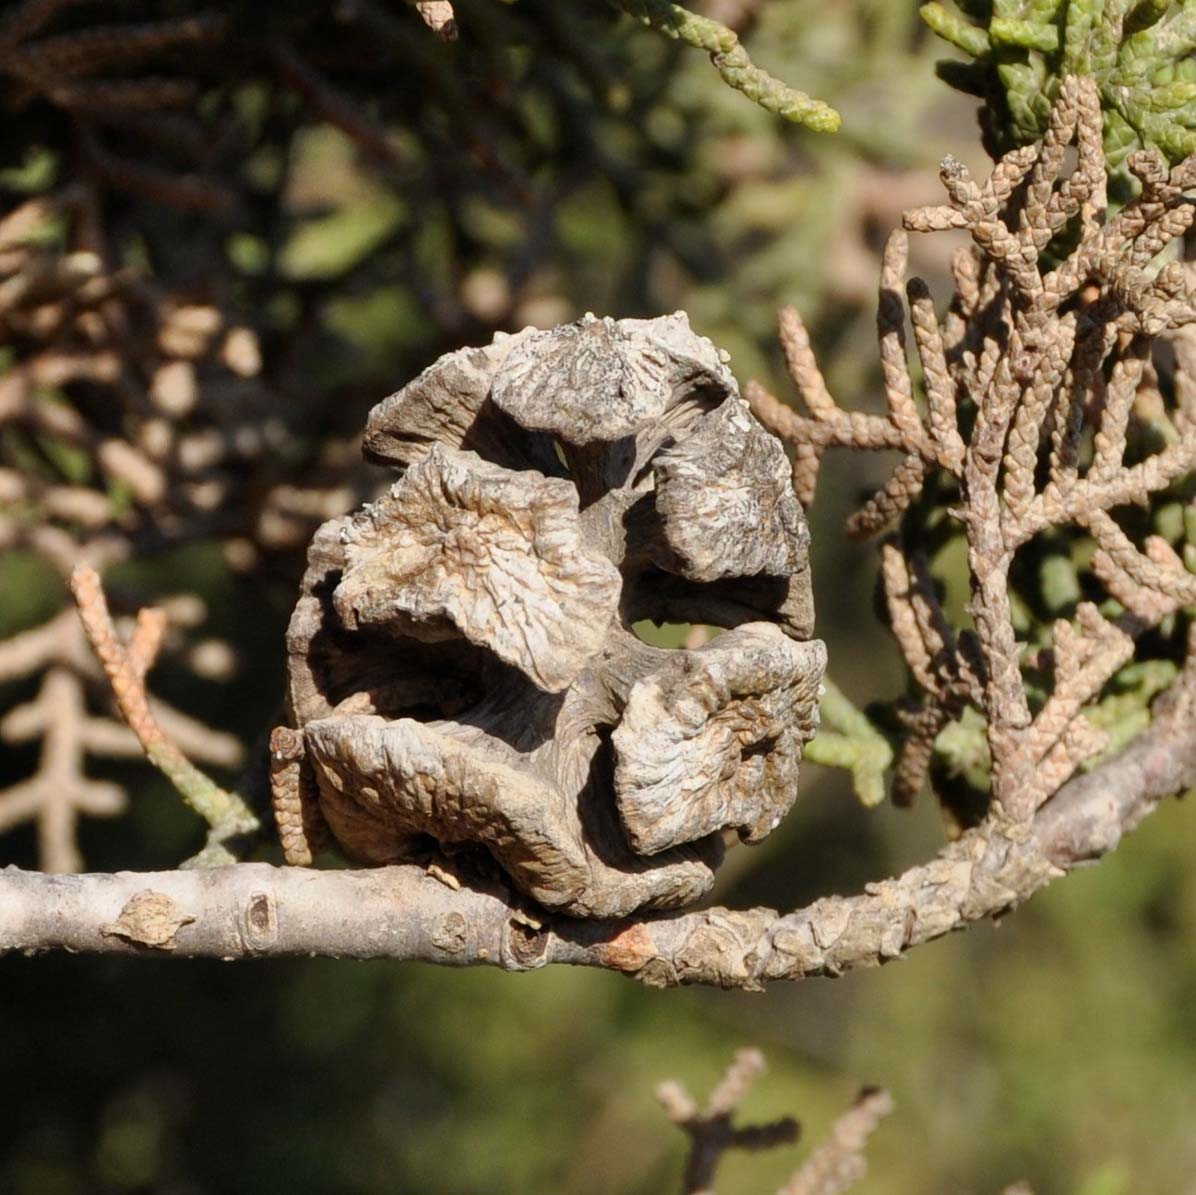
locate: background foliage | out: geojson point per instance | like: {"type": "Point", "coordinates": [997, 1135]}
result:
{"type": "Point", "coordinates": [555, 161]}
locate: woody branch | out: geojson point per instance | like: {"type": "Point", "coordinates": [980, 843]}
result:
{"type": "Point", "coordinates": [255, 910]}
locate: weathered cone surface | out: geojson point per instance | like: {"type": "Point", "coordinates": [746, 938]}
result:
{"type": "Point", "coordinates": [463, 547]}
{"type": "Point", "coordinates": [463, 669]}
{"type": "Point", "coordinates": [712, 739]}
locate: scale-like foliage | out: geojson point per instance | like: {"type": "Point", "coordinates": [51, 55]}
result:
{"type": "Point", "coordinates": [1042, 417]}
{"type": "Point", "coordinates": [1139, 52]}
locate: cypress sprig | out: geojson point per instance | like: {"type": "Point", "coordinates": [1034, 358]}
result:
{"type": "Point", "coordinates": [1140, 52]}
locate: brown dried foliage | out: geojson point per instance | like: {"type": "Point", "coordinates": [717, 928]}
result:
{"type": "Point", "coordinates": [1032, 384]}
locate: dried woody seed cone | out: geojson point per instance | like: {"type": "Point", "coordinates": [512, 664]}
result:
{"type": "Point", "coordinates": [462, 668]}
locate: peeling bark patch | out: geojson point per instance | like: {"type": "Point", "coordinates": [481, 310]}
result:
{"type": "Point", "coordinates": [148, 918]}
{"type": "Point", "coordinates": [629, 950]}
{"type": "Point", "coordinates": [449, 934]}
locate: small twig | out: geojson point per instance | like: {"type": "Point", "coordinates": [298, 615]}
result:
{"type": "Point", "coordinates": [225, 812]}
{"type": "Point", "coordinates": [839, 1162]}
{"type": "Point", "coordinates": [847, 739]}
{"type": "Point", "coordinates": [145, 642]}
{"type": "Point", "coordinates": [1039, 377]}
{"type": "Point", "coordinates": [334, 105]}
{"type": "Point", "coordinates": [710, 1130]}
{"type": "Point", "coordinates": [732, 62]}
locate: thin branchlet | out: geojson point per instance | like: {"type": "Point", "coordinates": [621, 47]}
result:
{"type": "Point", "coordinates": [1048, 343]}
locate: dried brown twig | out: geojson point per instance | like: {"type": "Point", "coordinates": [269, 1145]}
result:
{"type": "Point", "coordinates": [839, 1162]}
{"type": "Point", "coordinates": [1030, 387]}
{"type": "Point", "coordinates": [834, 1165]}
{"type": "Point", "coordinates": [126, 666]}
{"type": "Point", "coordinates": [710, 1130]}
{"type": "Point", "coordinates": [59, 791]}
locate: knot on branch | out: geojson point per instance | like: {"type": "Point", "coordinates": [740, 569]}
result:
{"type": "Point", "coordinates": [465, 667]}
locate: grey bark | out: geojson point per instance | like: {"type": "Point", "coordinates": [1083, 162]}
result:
{"type": "Point", "coordinates": [403, 912]}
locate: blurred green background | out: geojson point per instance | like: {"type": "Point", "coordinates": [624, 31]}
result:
{"type": "Point", "coordinates": [1059, 1047]}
